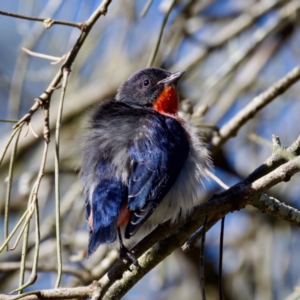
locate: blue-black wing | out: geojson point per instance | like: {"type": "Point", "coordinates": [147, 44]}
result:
{"type": "Point", "coordinates": [103, 208]}
{"type": "Point", "coordinates": [157, 156]}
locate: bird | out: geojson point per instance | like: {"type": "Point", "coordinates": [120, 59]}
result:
{"type": "Point", "coordinates": [142, 164]}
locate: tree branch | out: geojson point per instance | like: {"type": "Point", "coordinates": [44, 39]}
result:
{"type": "Point", "coordinates": [277, 209]}
{"type": "Point", "coordinates": [46, 267]}
{"type": "Point", "coordinates": [235, 198]}
{"type": "Point", "coordinates": [232, 127]}
{"type": "Point", "coordinates": [48, 22]}
{"type": "Point", "coordinates": [92, 291]}
{"type": "Point", "coordinates": [227, 33]}
{"type": "Point", "coordinates": [46, 95]}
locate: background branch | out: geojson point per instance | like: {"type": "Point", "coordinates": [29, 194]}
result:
{"type": "Point", "coordinates": [232, 127]}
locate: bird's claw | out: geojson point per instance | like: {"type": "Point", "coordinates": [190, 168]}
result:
{"type": "Point", "coordinates": [125, 253]}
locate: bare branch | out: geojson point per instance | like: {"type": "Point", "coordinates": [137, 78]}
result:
{"type": "Point", "coordinates": [48, 22]}
{"type": "Point", "coordinates": [156, 46]}
{"type": "Point", "coordinates": [277, 209]}
{"type": "Point", "coordinates": [16, 130]}
{"type": "Point", "coordinates": [232, 127]}
{"type": "Point", "coordinates": [46, 95]}
{"type": "Point", "coordinates": [8, 121]}
{"type": "Point", "coordinates": [9, 185]}
{"type": "Point", "coordinates": [66, 73]}
{"type": "Point", "coordinates": [13, 266]}
{"type": "Point", "coordinates": [45, 56]}
{"type": "Point", "coordinates": [145, 9]}
{"type": "Point", "coordinates": [92, 291]}
{"type": "Point", "coordinates": [286, 17]}
{"type": "Point", "coordinates": [228, 32]}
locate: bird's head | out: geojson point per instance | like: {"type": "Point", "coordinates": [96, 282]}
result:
{"type": "Point", "coordinates": [152, 87]}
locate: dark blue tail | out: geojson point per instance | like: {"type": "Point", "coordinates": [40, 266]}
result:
{"type": "Point", "coordinates": [103, 209]}
{"type": "Point", "coordinates": [105, 235]}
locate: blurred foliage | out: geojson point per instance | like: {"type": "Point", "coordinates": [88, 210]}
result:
{"type": "Point", "coordinates": [260, 252]}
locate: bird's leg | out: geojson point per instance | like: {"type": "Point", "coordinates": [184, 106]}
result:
{"type": "Point", "coordinates": [124, 252]}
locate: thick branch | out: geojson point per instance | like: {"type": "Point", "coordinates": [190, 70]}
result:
{"type": "Point", "coordinates": [233, 199]}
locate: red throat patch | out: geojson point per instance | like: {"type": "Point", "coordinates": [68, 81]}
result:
{"type": "Point", "coordinates": [167, 101]}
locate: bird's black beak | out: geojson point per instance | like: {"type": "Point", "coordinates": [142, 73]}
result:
{"type": "Point", "coordinates": [173, 78]}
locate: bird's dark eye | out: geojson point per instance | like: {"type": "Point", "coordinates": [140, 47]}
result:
{"type": "Point", "coordinates": [146, 82]}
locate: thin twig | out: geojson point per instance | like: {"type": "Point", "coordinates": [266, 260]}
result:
{"type": "Point", "coordinates": [27, 117]}
{"type": "Point", "coordinates": [14, 230]}
{"type": "Point", "coordinates": [145, 9]}
{"type": "Point", "coordinates": [26, 130]}
{"type": "Point", "coordinates": [223, 185]}
{"type": "Point", "coordinates": [48, 22]}
{"type": "Point", "coordinates": [198, 234]}
{"type": "Point", "coordinates": [25, 239]}
{"type": "Point", "coordinates": [202, 277]}
{"type": "Point", "coordinates": [14, 266]}
{"type": "Point", "coordinates": [25, 225]}
{"type": "Point", "coordinates": [9, 185]}
{"type": "Point", "coordinates": [92, 291]}
{"type": "Point", "coordinates": [216, 179]}
{"type": "Point", "coordinates": [41, 55]}
{"type": "Point", "coordinates": [32, 200]}
{"type": "Point", "coordinates": [278, 157]}
{"type": "Point", "coordinates": [221, 258]}
{"type": "Point", "coordinates": [156, 46]}
{"type": "Point", "coordinates": [33, 275]}
{"type": "Point", "coordinates": [32, 130]}
{"type": "Point", "coordinates": [16, 130]}
{"type": "Point", "coordinates": [193, 239]}
{"type": "Point", "coordinates": [31, 204]}
{"type": "Point", "coordinates": [8, 121]}
{"type": "Point", "coordinates": [66, 73]}
{"type": "Point", "coordinates": [253, 137]}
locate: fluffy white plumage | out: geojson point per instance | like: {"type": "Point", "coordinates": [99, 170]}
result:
{"type": "Point", "coordinates": [184, 194]}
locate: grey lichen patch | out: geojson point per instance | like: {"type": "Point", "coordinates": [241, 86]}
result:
{"type": "Point", "coordinates": [283, 209]}
{"type": "Point", "coordinates": [275, 205]}
{"type": "Point", "coordinates": [96, 290]}
{"type": "Point", "coordinates": [269, 201]}
{"type": "Point", "coordinates": [295, 214]}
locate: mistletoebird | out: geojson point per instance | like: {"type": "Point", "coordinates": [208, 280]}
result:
{"type": "Point", "coordinates": [142, 164]}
